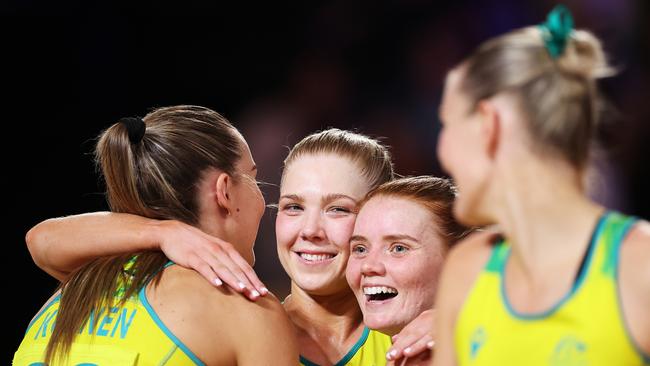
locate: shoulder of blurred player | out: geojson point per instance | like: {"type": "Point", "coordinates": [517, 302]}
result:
{"type": "Point", "coordinates": [634, 283]}
{"type": "Point", "coordinates": [461, 268]}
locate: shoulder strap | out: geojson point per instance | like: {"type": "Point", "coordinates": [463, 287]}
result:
{"type": "Point", "coordinates": [612, 234]}
{"type": "Point", "coordinates": [498, 257]}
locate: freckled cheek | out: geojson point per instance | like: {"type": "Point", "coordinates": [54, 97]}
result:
{"type": "Point", "coordinates": [415, 277]}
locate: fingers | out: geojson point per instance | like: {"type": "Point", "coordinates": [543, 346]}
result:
{"type": "Point", "coordinates": [409, 346]}
{"type": "Point", "coordinates": [250, 274]}
{"type": "Point", "coordinates": [206, 271]}
{"type": "Point", "coordinates": [423, 359]}
{"type": "Point", "coordinates": [424, 344]}
{"type": "Point", "coordinates": [213, 258]}
{"type": "Point", "coordinates": [247, 278]}
{"type": "Point", "coordinates": [227, 271]}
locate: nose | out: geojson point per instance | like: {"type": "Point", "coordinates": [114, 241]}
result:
{"type": "Point", "coordinates": [312, 228]}
{"type": "Point", "coordinates": [372, 264]}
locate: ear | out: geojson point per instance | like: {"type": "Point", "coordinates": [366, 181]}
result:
{"type": "Point", "coordinates": [223, 188]}
{"type": "Point", "coordinates": [490, 127]}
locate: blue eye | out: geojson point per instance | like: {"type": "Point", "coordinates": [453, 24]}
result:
{"type": "Point", "coordinates": [339, 209]}
{"type": "Point", "coordinates": [399, 249]}
{"type": "Point", "coordinates": [291, 207]}
{"type": "Point", "coordinates": [359, 249]}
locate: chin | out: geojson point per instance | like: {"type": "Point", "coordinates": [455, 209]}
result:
{"type": "Point", "coordinates": [386, 326]}
{"type": "Point", "coordinates": [322, 286]}
{"type": "Point", "coordinates": [467, 214]}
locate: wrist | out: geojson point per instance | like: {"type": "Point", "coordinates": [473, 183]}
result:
{"type": "Point", "coordinates": [152, 233]}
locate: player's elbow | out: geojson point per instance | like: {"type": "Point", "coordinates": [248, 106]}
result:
{"type": "Point", "coordinates": [37, 243]}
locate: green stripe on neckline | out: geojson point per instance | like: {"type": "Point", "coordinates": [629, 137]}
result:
{"type": "Point", "coordinates": [348, 356]}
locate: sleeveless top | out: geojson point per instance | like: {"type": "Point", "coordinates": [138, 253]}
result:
{"type": "Point", "coordinates": [129, 335]}
{"type": "Point", "coordinates": [370, 350]}
{"type": "Point", "coordinates": [586, 327]}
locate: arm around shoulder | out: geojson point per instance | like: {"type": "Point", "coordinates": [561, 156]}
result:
{"type": "Point", "coordinates": [61, 245]}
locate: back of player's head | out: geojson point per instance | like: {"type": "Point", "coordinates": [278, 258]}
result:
{"type": "Point", "coordinates": [552, 70]}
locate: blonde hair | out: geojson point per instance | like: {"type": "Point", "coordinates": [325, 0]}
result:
{"type": "Point", "coordinates": [558, 95]}
{"type": "Point", "coordinates": [369, 154]}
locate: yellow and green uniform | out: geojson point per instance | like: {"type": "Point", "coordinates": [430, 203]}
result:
{"type": "Point", "coordinates": [118, 336]}
{"type": "Point", "coordinates": [586, 327]}
{"type": "Point", "coordinates": [370, 350]}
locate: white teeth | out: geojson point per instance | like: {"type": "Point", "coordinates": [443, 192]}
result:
{"type": "Point", "coordinates": [379, 290]}
{"type": "Point", "coordinates": [315, 257]}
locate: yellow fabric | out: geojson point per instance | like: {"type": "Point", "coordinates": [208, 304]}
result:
{"type": "Point", "coordinates": [126, 336]}
{"type": "Point", "coordinates": [370, 350]}
{"type": "Point", "coordinates": [585, 328]}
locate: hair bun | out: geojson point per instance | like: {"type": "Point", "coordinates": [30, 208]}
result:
{"type": "Point", "coordinates": [584, 56]}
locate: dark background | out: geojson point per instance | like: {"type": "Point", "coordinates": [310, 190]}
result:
{"type": "Point", "coordinates": [278, 72]}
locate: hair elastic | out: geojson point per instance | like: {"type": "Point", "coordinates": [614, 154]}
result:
{"type": "Point", "coordinates": [556, 30]}
{"type": "Point", "coordinates": [135, 127]}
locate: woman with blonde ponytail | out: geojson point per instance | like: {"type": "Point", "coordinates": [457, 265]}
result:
{"type": "Point", "coordinates": [559, 279]}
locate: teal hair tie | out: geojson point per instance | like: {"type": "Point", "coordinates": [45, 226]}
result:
{"type": "Point", "coordinates": [556, 30]}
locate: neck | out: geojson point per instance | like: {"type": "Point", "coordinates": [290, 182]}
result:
{"type": "Point", "coordinates": [327, 326]}
{"type": "Point", "coordinates": [335, 317]}
{"type": "Point", "coordinates": [545, 215]}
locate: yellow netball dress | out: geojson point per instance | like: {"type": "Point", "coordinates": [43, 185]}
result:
{"type": "Point", "coordinates": [117, 336]}
{"type": "Point", "coordinates": [586, 327]}
{"type": "Point", "coordinates": [370, 350]}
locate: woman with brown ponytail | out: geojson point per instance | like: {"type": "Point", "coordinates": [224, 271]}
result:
{"type": "Point", "coordinates": [182, 163]}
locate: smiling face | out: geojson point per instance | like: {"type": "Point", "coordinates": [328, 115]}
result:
{"type": "Point", "coordinates": [396, 255]}
{"type": "Point", "coordinates": [316, 213]}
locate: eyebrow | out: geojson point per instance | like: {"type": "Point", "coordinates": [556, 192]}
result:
{"type": "Point", "coordinates": [358, 238]}
{"type": "Point", "coordinates": [389, 238]}
{"type": "Point", "coordinates": [335, 196]}
{"type": "Point", "coordinates": [398, 237]}
{"type": "Point", "coordinates": [327, 198]}
{"type": "Point", "coordinates": [394, 237]}
{"type": "Point", "coordinates": [293, 197]}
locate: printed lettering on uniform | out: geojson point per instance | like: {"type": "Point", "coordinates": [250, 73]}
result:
{"type": "Point", "coordinates": [114, 322]}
